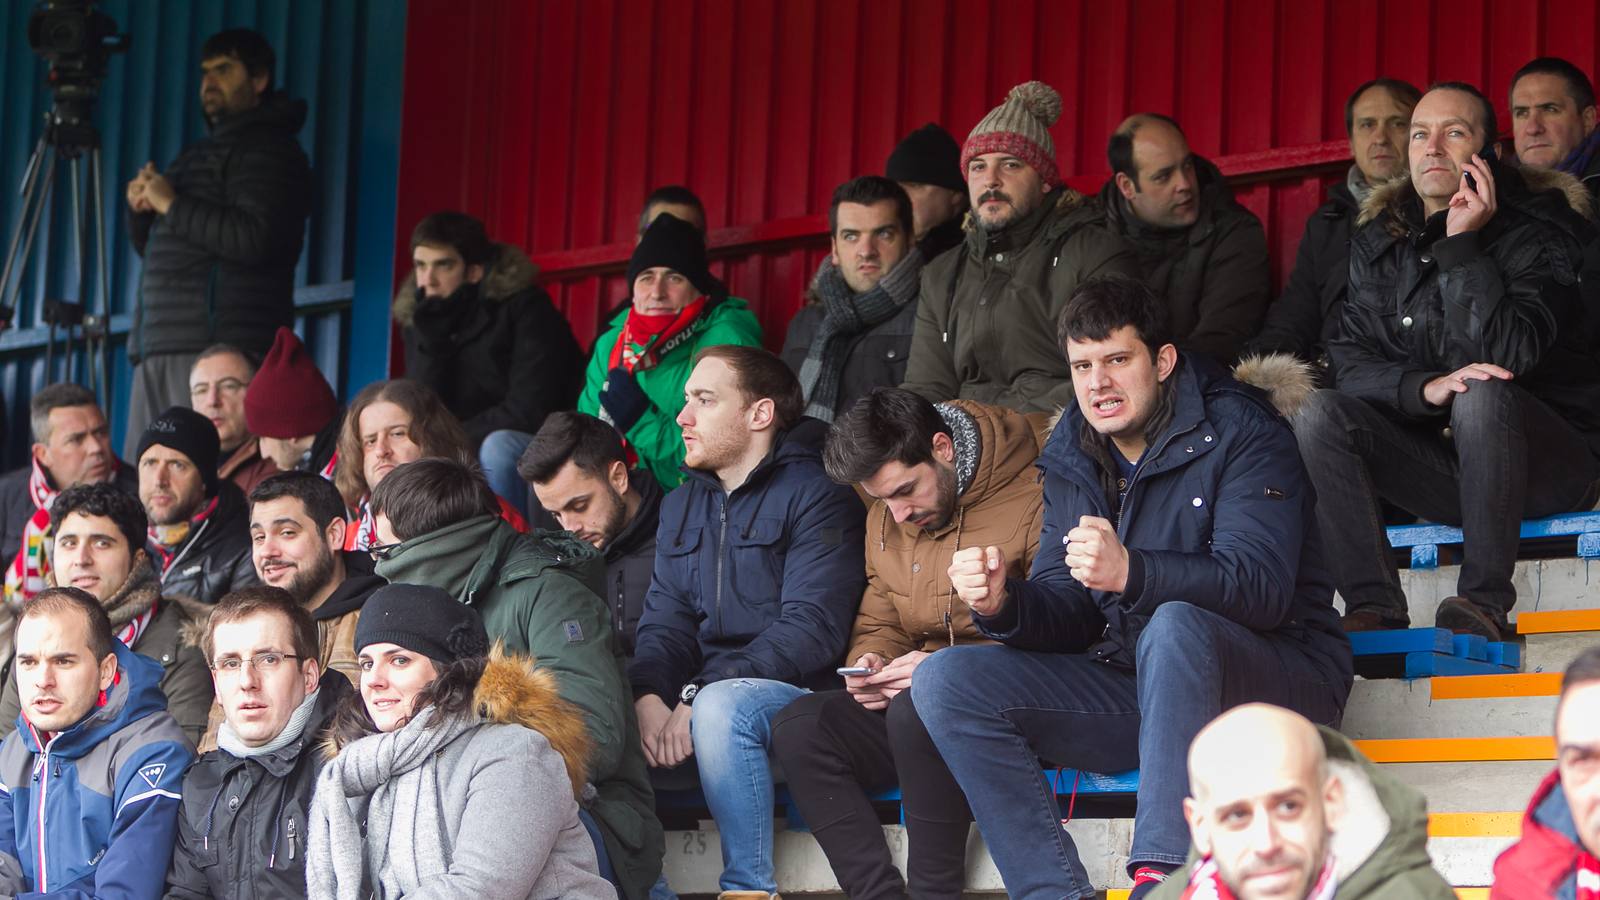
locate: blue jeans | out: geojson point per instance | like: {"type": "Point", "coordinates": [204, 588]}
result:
{"type": "Point", "coordinates": [498, 455]}
{"type": "Point", "coordinates": [732, 730]}
{"type": "Point", "coordinates": [995, 712]}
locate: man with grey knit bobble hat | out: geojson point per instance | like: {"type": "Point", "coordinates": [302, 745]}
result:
{"type": "Point", "coordinates": [986, 313]}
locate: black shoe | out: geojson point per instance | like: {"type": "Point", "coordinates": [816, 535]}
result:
{"type": "Point", "coordinates": [1462, 616]}
{"type": "Point", "coordinates": [1372, 619]}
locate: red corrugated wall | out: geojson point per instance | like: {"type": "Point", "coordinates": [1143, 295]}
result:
{"type": "Point", "coordinates": [553, 119]}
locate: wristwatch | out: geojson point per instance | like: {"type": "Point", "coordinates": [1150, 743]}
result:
{"type": "Point", "coordinates": [686, 696]}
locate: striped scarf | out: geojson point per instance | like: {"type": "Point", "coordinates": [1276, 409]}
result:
{"type": "Point", "coordinates": [29, 572]}
{"type": "Point", "coordinates": [1588, 877]}
{"type": "Point", "coordinates": [1206, 883]}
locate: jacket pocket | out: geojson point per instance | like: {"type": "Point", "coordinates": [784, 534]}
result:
{"type": "Point", "coordinates": [754, 571]}
{"type": "Point", "coordinates": [679, 558]}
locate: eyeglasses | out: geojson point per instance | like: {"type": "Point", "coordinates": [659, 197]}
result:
{"type": "Point", "coordinates": [226, 386]}
{"type": "Point", "coordinates": [265, 663]}
{"type": "Point", "coordinates": [381, 552]}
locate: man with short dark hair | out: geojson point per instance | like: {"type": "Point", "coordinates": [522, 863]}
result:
{"type": "Point", "coordinates": [1305, 317]}
{"type": "Point", "coordinates": [854, 333]}
{"type": "Point", "coordinates": [1559, 853]}
{"type": "Point", "coordinates": [94, 771]}
{"type": "Point", "coordinates": [438, 524]}
{"type": "Point", "coordinates": [1553, 120]}
{"type": "Point", "coordinates": [986, 313]}
{"type": "Point", "coordinates": [291, 408]}
{"type": "Point", "coordinates": [217, 384]}
{"type": "Point", "coordinates": [941, 477]}
{"type": "Point", "coordinates": [1179, 574]}
{"type": "Point", "coordinates": [1469, 386]}
{"type": "Point", "coordinates": [221, 229]}
{"type": "Point", "coordinates": [927, 165]}
{"type": "Point", "coordinates": [1198, 248]}
{"type": "Point", "coordinates": [675, 200]}
{"type": "Point", "coordinates": [242, 828]}
{"type": "Point", "coordinates": [199, 526]}
{"type": "Point", "coordinates": [71, 446]}
{"type": "Point", "coordinates": [580, 475]}
{"type": "Point", "coordinates": [758, 572]}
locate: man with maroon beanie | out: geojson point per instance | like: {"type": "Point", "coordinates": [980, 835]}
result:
{"type": "Point", "coordinates": [292, 409]}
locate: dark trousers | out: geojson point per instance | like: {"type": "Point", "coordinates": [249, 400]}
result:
{"type": "Point", "coordinates": [1508, 457]}
{"type": "Point", "coordinates": [995, 712]}
{"type": "Point", "coordinates": [834, 752]}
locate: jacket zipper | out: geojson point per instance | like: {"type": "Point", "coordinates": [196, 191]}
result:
{"type": "Point", "coordinates": [291, 839]}
{"type": "Point", "coordinates": [722, 552]}
{"type": "Point", "coordinates": [44, 780]}
{"type": "Point", "coordinates": [1138, 469]}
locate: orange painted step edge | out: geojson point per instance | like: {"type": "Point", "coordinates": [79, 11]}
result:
{"type": "Point", "coordinates": [1471, 893]}
{"type": "Point", "coordinates": [1558, 620]}
{"type": "Point", "coordinates": [1479, 687]}
{"type": "Point", "coordinates": [1477, 824]}
{"type": "Point", "coordinates": [1417, 750]}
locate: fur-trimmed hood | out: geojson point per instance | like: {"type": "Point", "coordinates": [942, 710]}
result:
{"type": "Point", "coordinates": [1286, 379]}
{"type": "Point", "coordinates": [511, 272]}
{"type": "Point", "coordinates": [1393, 195]}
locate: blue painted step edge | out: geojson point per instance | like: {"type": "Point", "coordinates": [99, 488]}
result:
{"type": "Point", "coordinates": [1407, 640]}
{"type": "Point", "coordinates": [1506, 654]}
{"type": "Point", "coordinates": [1426, 665]}
{"type": "Point", "coordinates": [1470, 646]}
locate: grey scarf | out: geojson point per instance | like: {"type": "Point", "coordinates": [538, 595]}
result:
{"type": "Point", "coordinates": [848, 314]}
{"type": "Point", "coordinates": [229, 740]}
{"type": "Point", "coordinates": [407, 839]}
{"type": "Point", "coordinates": [1357, 183]}
{"type": "Point", "coordinates": [969, 444]}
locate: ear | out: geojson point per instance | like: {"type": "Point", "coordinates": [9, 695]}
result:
{"type": "Point", "coordinates": [108, 671]}
{"type": "Point", "coordinates": [1166, 361]}
{"type": "Point", "coordinates": [41, 452]}
{"type": "Point", "coordinates": [474, 273]}
{"type": "Point", "coordinates": [1126, 186]}
{"type": "Point", "coordinates": [762, 415]}
{"type": "Point", "coordinates": [259, 82]}
{"type": "Point", "coordinates": [311, 672]}
{"type": "Point", "coordinates": [833, 250]}
{"type": "Point", "coordinates": [617, 474]}
{"type": "Point", "coordinates": [944, 448]}
{"type": "Point", "coordinates": [1197, 826]}
{"type": "Point", "coordinates": [1333, 805]}
{"type": "Point", "coordinates": [335, 533]}
{"type": "Point", "coordinates": [1589, 117]}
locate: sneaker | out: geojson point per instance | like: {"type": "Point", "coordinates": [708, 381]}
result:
{"type": "Point", "coordinates": [1372, 619]}
{"type": "Point", "coordinates": [1462, 616]}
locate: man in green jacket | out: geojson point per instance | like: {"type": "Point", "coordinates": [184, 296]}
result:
{"type": "Point", "coordinates": [438, 524]}
{"type": "Point", "coordinates": [636, 376]}
{"type": "Point", "coordinates": [1282, 808]}
{"type": "Point", "coordinates": [987, 310]}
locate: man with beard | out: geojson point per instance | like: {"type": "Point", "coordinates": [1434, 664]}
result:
{"type": "Point", "coordinates": [758, 573]}
{"type": "Point", "coordinates": [221, 229]}
{"type": "Point", "coordinates": [986, 312]}
{"type": "Point", "coordinates": [199, 530]}
{"type": "Point", "coordinates": [954, 474]}
{"type": "Point", "coordinates": [217, 386]}
{"type": "Point", "coordinates": [99, 549]}
{"type": "Point", "coordinates": [1305, 317]}
{"type": "Point", "coordinates": [297, 534]}
{"type": "Point", "coordinates": [580, 475]}
{"type": "Point", "coordinates": [854, 333]}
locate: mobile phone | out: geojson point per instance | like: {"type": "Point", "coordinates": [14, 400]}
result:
{"type": "Point", "coordinates": [856, 670]}
{"type": "Point", "coordinates": [1487, 154]}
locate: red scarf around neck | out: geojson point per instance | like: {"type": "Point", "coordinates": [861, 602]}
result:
{"type": "Point", "coordinates": [1588, 877]}
{"type": "Point", "coordinates": [645, 337]}
{"type": "Point", "coordinates": [1206, 883]}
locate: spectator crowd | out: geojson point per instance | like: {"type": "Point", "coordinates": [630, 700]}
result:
{"type": "Point", "coordinates": [1064, 454]}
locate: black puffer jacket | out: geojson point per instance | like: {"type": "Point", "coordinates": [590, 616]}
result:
{"type": "Point", "coordinates": [498, 353]}
{"type": "Point", "coordinates": [242, 828]}
{"type": "Point", "coordinates": [1423, 305]}
{"type": "Point", "coordinates": [215, 558]}
{"type": "Point", "coordinates": [630, 560]}
{"type": "Point", "coordinates": [1214, 274]}
{"type": "Point", "coordinates": [1305, 317]}
{"type": "Point", "coordinates": [219, 266]}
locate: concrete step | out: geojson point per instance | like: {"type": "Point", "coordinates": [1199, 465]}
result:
{"type": "Point", "coordinates": [1396, 708]}
{"type": "Point", "coordinates": [1554, 652]}
{"type": "Point", "coordinates": [1474, 787]}
{"type": "Point", "coordinates": [1542, 584]}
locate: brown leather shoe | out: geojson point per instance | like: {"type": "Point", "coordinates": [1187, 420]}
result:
{"type": "Point", "coordinates": [1462, 616]}
{"type": "Point", "coordinates": [1371, 619]}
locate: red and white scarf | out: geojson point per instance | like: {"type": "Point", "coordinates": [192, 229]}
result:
{"type": "Point", "coordinates": [1206, 883]}
{"type": "Point", "coordinates": [166, 539]}
{"type": "Point", "coordinates": [29, 572]}
{"type": "Point", "coordinates": [1588, 877]}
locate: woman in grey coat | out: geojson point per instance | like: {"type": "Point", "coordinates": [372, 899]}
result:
{"type": "Point", "coordinates": [455, 774]}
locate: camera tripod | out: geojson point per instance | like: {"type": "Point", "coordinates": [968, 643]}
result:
{"type": "Point", "coordinates": [76, 144]}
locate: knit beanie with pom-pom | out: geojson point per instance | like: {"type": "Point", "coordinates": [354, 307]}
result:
{"type": "Point", "coordinates": [1021, 127]}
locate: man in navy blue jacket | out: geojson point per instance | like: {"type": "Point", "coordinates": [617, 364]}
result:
{"type": "Point", "coordinates": [759, 569]}
{"type": "Point", "coordinates": [92, 778]}
{"type": "Point", "coordinates": [1186, 578]}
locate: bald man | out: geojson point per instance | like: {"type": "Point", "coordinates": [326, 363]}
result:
{"type": "Point", "coordinates": [1282, 809]}
{"type": "Point", "coordinates": [1196, 245]}
{"type": "Point", "coordinates": [1559, 854]}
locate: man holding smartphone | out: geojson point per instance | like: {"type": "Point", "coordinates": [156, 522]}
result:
{"type": "Point", "coordinates": [948, 476]}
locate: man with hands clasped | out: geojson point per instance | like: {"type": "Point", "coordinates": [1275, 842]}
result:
{"type": "Point", "coordinates": [1468, 384]}
{"type": "Point", "coordinates": [1179, 574]}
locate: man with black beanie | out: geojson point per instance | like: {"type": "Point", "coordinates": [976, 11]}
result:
{"type": "Point", "coordinates": [927, 164]}
{"type": "Point", "coordinates": [199, 526]}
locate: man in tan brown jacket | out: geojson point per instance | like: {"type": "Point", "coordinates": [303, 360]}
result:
{"type": "Point", "coordinates": [942, 477]}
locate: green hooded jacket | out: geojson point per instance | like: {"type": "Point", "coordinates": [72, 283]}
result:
{"type": "Point", "coordinates": [1398, 867]}
{"type": "Point", "coordinates": [656, 437]}
{"type": "Point", "coordinates": [538, 594]}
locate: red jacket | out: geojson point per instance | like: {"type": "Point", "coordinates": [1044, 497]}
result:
{"type": "Point", "coordinates": [1544, 864]}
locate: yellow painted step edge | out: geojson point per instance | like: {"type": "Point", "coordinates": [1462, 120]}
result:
{"type": "Point", "coordinates": [1481, 687]}
{"type": "Point", "coordinates": [1421, 750]}
{"type": "Point", "coordinates": [1470, 893]}
{"type": "Point", "coordinates": [1475, 825]}
{"type": "Point", "coordinates": [1557, 620]}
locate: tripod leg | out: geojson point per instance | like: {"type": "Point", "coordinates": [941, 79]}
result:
{"type": "Point", "coordinates": [95, 352]}
{"type": "Point", "coordinates": [25, 211]}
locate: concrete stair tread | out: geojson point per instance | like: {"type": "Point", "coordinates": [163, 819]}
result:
{"type": "Point", "coordinates": [1498, 706]}
{"type": "Point", "coordinates": [1541, 585]}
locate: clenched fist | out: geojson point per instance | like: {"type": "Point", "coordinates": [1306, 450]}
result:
{"type": "Point", "coordinates": [979, 577]}
{"type": "Point", "coordinates": [1095, 555]}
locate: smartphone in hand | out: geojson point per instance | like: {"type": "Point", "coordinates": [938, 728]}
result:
{"type": "Point", "coordinates": [856, 670]}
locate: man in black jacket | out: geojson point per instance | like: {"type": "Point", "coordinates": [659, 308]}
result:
{"type": "Point", "coordinates": [199, 530]}
{"type": "Point", "coordinates": [1306, 315]}
{"type": "Point", "coordinates": [1555, 123]}
{"type": "Point", "coordinates": [854, 333]}
{"type": "Point", "coordinates": [1469, 388]}
{"type": "Point", "coordinates": [242, 829]}
{"type": "Point", "coordinates": [927, 166]}
{"type": "Point", "coordinates": [577, 469]}
{"type": "Point", "coordinates": [221, 229]}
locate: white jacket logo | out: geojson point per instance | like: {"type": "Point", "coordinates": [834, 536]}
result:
{"type": "Point", "coordinates": [152, 774]}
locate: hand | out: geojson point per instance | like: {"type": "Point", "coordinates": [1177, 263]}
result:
{"type": "Point", "coordinates": [858, 686]}
{"type": "Point", "coordinates": [653, 715]}
{"type": "Point", "coordinates": [1440, 391]}
{"type": "Point", "coordinates": [979, 577]}
{"type": "Point", "coordinates": [158, 190]}
{"type": "Point", "coordinates": [675, 743]}
{"type": "Point", "coordinates": [623, 399]}
{"type": "Point", "coordinates": [137, 201]}
{"type": "Point", "coordinates": [1471, 207]}
{"type": "Point", "coordinates": [1096, 556]}
{"type": "Point", "coordinates": [896, 676]}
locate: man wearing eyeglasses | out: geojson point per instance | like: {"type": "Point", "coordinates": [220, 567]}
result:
{"type": "Point", "coordinates": [217, 383]}
{"type": "Point", "coordinates": [99, 548]}
{"type": "Point", "coordinates": [242, 830]}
